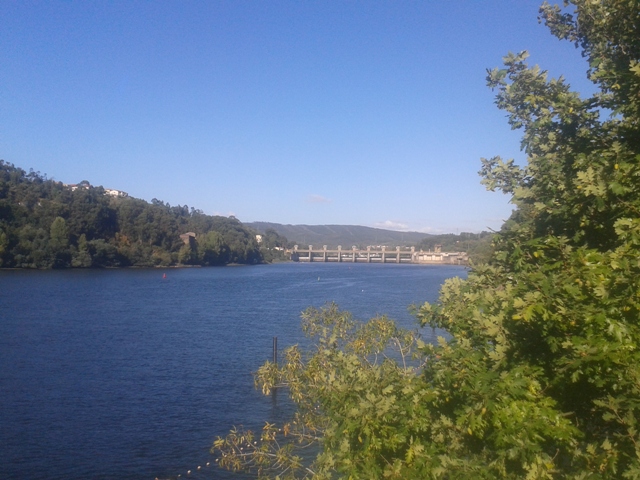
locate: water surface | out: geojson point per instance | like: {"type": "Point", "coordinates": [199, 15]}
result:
{"type": "Point", "coordinates": [124, 374]}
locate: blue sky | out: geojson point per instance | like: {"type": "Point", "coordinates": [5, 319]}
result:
{"type": "Point", "coordinates": [370, 113]}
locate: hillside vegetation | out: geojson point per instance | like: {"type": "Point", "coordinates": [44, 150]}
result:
{"type": "Point", "coordinates": [45, 224]}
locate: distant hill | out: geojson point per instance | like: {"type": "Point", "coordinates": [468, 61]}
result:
{"type": "Point", "coordinates": [345, 235]}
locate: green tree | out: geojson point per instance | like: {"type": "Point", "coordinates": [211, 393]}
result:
{"type": "Point", "coordinates": [81, 257]}
{"type": "Point", "coordinates": [349, 389]}
{"type": "Point", "coordinates": [58, 246]}
{"type": "Point", "coordinates": [541, 375]}
{"type": "Point", "coordinates": [272, 239]}
{"type": "Point", "coordinates": [32, 249]}
{"type": "Point", "coordinates": [186, 255]}
{"type": "Point", "coordinates": [212, 249]}
{"type": "Point", "coordinates": [59, 234]}
{"type": "Point", "coordinates": [4, 244]}
{"type": "Point", "coordinates": [273, 245]}
{"type": "Point", "coordinates": [104, 254]}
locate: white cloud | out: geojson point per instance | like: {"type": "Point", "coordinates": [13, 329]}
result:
{"type": "Point", "coordinates": [432, 230]}
{"type": "Point", "coordinates": [403, 227]}
{"type": "Point", "coordinates": [391, 225]}
{"type": "Point", "coordinates": [318, 199]}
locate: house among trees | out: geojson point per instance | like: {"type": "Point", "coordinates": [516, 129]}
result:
{"type": "Point", "coordinates": [75, 186]}
{"type": "Point", "coordinates": [115, 193]}
{"type": "Point", "coordinates": [84, 184]}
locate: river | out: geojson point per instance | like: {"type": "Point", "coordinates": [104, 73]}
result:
{"type": "Point", "coordinates": [126, 374]}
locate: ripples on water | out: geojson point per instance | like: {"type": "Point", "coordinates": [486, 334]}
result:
{"type": "Point", "coordinates": [124, 374]}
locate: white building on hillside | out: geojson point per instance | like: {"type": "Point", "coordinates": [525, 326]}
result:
{"type": "Point", "coordinates": [115, 193]}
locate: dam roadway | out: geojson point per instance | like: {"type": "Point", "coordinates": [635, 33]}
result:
{"type": "Point", "coordinates": [378, 255]}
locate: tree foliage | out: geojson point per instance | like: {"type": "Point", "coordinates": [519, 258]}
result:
{"type": "Point", "coordinates": [477, 245]}
{"type": "Point", "coordinates": [273, 246]}
{"type": "Point", "coordinates": [45, 224]}
{"type": "Point", "coordinates": [540, 376]}
{"type": "Point", "coordinates": [352, 390]}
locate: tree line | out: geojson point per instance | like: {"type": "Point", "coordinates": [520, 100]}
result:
{"type": "Point", "coordinates": [477, 245]}
{"type": "Point", "coordinates": [45, 224]}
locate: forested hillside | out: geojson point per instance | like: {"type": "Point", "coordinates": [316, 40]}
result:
{"type": "Point", "coordinates": [45, 224]}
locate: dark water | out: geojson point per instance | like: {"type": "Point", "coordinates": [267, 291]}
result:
{"type": "Point", "coordinates": [124, 374]}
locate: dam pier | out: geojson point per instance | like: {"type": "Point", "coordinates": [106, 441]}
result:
{"type": "Point", "coordinates": [378, 255]}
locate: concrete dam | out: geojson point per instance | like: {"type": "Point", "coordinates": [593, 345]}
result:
{"type": "Point", "coordinates": [378, 255]}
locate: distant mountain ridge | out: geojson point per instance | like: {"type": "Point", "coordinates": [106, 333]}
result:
{"type": "Point", "coordinates": [344, 235]}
